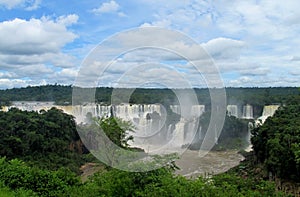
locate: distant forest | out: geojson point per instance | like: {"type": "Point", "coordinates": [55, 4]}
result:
{"type": "Point", "coordinates": [62, 95]}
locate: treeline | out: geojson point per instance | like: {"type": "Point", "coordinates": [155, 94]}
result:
{"type": "Point", "coordinates": [57, 93]}
{"type": "Point", "coordinates": [62, 95]}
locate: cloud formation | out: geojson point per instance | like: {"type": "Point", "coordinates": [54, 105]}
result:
{"type": "Point", "coordinates": [253, 43]}
{"type": "Point", "coordinates": [27, 4]}
{"type": "Point", "coordinates": [36, 36]}
{"type": "Point", "coordinates": [108, 7]}
{"type": "Point", "coordinates": [32, 49]}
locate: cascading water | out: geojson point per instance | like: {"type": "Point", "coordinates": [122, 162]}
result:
{"type": "Point", "coordinates": [247, 112]}
{"type": "Point", "coordinates": [178, 134]}
{"type": "Point", "coordinates": [268, 111]}
{"type": "Point", "coordinates": [248, 137]}
{"type": "Point", "coordinates": [232, 110]}
{"type": "Point", "coordinates": [195, 111]}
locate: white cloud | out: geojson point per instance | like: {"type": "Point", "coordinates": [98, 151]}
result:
{"type": "Point", "coordinates": [10, 3]}
{"type": "Point", "coordinates": [224, 48]}
{"type": "Point", "coordinates": [34, 71]}
{"type": "Point", "coordinates": [12, 83]}
{"type": "Point", "coordinates": [150, 43]}
{"type": "Point", "coordinates": [295, 72]}
{"type": "Point", "coordinates": [65, 76]}
{"type": "Point", "coordinates": [32, 49]}
{"type": "Point", "coordinates": [263, 81]}
{"type": "Point", "coordinates": [27, 4]}
{"type": "Point", "coordinates": [255, 71]}
{"type": "Point", "coordinates": [35, 36]}
{"type": "Point", "coordinates": [107, 7]}
{"type": "Point", "coordinates": [67, 20]}
{"type": "Point", "coordinates": [157, 46]}
{"type": "Point", "coordinates": [295, 58]}
{"type": "Point", "coordinates": [35, 5]}
{"type": "Point", "coordinates": [252, 42]}
{"type": "Point", "coordinates": [122, 14]}
{"type": "Point", "coordinates": [171, 47]}
{"type": "Point", "coordinates": [263, 20]}
{"type": "Point", "coordinates": [7, 75]}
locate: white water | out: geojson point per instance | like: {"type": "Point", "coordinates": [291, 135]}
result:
{"type": "Point", "coordinates": [232, 110]}
{"type": "Point", "coordinates": [195, 111]}
{"type": "Point", "coordinates": [248, 137]}
{"type": "Point", "coordinates": [268, 111]}
{"type": "Point", "coordinates": [247, 112]}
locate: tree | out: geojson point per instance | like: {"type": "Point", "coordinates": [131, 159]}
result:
{"type": "Point", "coordinates": [106, 136]}
{"type": "Point", "coordinates": [116, 130]}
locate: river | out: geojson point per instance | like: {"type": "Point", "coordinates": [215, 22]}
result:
{"type": "Point", "coordinates": [214, 162]}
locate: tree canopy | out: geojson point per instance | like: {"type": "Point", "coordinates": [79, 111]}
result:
{"type": "Point", "coordinates": [48, 138]}
{"type": "Point", "coordinates": [276, 142]}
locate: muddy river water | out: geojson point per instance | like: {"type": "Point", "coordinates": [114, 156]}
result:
{"type": "Point", "coordinates": [193, 164]}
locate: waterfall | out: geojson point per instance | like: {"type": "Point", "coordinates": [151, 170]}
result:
{"type": "Point", "coordinates": [175, 109]}
{"type": "Point", "coordinates": [195, 111]}
{"type": "Point", "coordinates": [190, 130]}
{"type": "Point", "coordinates": [268, 111]}
{"type": "Point", "coordinates": [232, 110]}
{"type": "Point", "coordinates": [248, 137]}
{"type": "Point", "coordinates": [149, 119]}
{"type": "Point", "coordinates": [178, 134]}
{"type": "Point", "coordinates": [247, 112]}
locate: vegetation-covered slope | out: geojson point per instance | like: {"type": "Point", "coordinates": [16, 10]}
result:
{"type": "Point", "coordinates": [48, 139]}
{"type": "Point", "coordinates": [277, 142]}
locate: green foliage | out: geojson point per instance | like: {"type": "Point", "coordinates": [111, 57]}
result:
{"type": "Point", "coordinates": [276, 142]}
{"type": "Point", "coordinates": [106, 137]}
{"type": "Point", "coordinates": [162, 182]}
{"type": "Point", "coordinates": [58, 93]}
{"type": "Point", "coordinates": [16, 175]}
{"type": "Point", "coordinates": [41, 139]}
{"type": "Point", "coordinates": [116, 130]}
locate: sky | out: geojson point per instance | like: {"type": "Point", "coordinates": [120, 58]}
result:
{"type": "Point", "coordinates": [249, 43]}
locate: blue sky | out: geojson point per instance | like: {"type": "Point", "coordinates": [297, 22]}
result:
{"type": "Point", "coordinates": [252, 43]}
